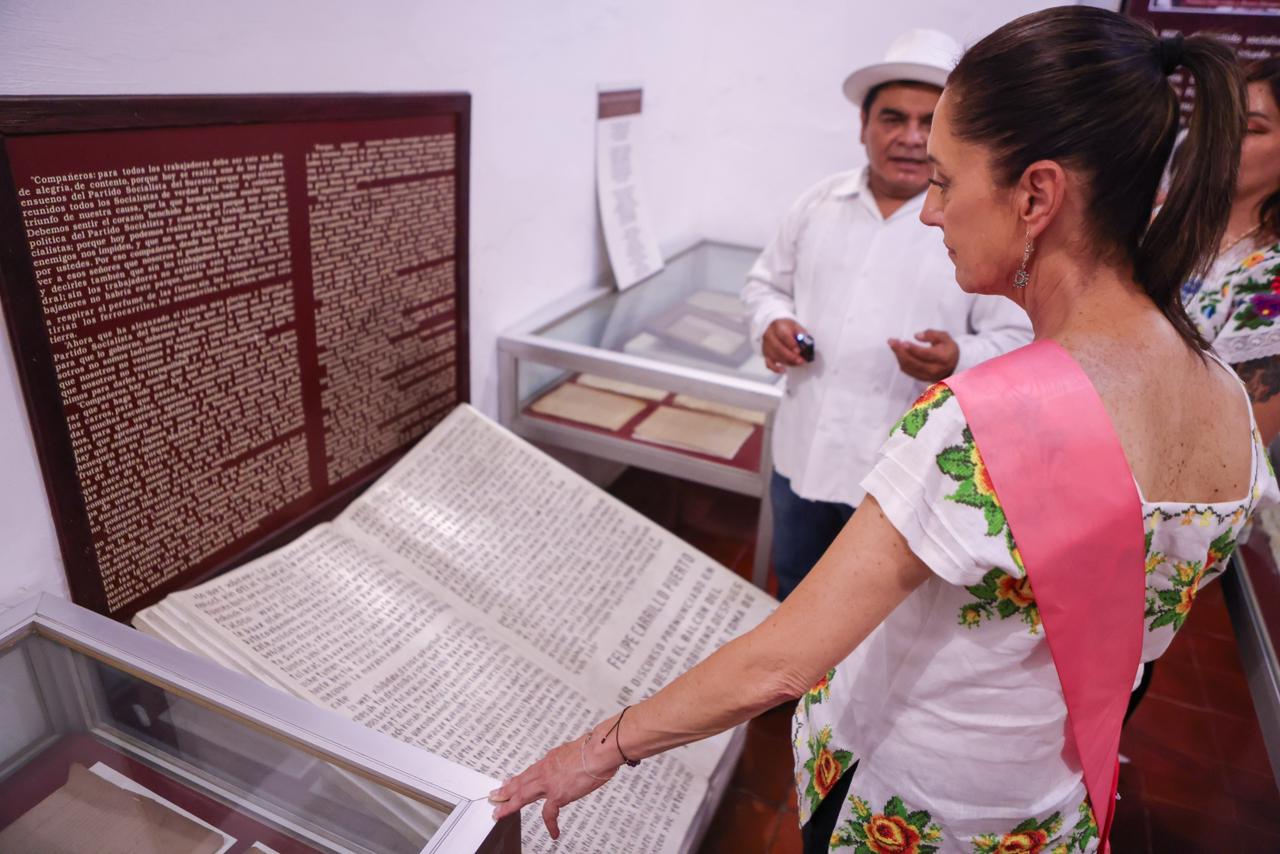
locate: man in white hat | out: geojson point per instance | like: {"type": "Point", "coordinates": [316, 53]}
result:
{"type": "Point", "coordinates": [856, 283]}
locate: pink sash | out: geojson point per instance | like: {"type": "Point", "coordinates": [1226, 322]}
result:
{"type": "Point", "coordinates": [1073, 507]}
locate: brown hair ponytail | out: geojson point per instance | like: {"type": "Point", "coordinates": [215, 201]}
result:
{"type": "Point", "coordinates": [1089, 88]}
{"type": "Point", "coordinates": [1184, 236]}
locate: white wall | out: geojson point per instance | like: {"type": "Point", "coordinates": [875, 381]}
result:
{"type": "Point", "coordinates": [777, 119]}
{"type": "Point", "coordinates": [742, 111]}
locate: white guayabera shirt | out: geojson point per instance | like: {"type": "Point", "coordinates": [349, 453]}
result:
{"type": "Point", "coordinates": [855, 279]}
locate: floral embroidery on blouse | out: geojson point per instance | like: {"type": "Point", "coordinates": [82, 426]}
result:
{"type": "Point", "coordinates": [1195, 514]}
{"type": "Point", "coordinates": [1207, 300]}
{"type": "Point", "coordinates": [892, 831]}
{"type": "Point", "coordinates": [820, 691]}
{"type": "Point", "coordinates": [963, 464]}
{"type": "Point", "coordinates": [1236, 303]}
{"type": "Point", "coordinates": [1170, 606]}
{"type": "Point", "coordinates": [1001, 594]}
{"type": "Point", "coordinates": [1154, 558]}
{"type": "Point", "coordinates": [1253, 260]}
{"type": "Point", "coordinates": [825, 767]}
{"type": "Point", "coordinates": [914, 419]}
{"type": "Point", "coordinates": [1223, 546]}
{"type": "Point", "coordinates": [1029, 837]}
{"type": "Point", "coordinates": [1086, 829]}
{"type": "Point", "coordinates": [1257, 282]}
{"type": "Point", "coordinates": [1041, 837]}
{"type": "Point", "coordinates": [1191, 291]}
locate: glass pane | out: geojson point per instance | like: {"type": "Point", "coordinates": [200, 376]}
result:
{"type": "Point", "coordinates": [99, 738]}
{"type": "Point", "coordinates": [688, 314]}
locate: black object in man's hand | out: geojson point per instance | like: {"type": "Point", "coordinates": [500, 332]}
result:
{"type": "Point", "coordinates": [805, 341]}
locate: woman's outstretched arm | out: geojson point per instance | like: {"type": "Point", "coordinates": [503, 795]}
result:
{"type": "Point", "coordinates": [865, 574]}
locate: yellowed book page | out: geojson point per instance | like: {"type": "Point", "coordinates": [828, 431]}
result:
{"type": "Point", "coordinates": [91, 814]}
{"type": "Point", "coordinates": [574, 402]}
{"type": "Point", "coordinates": [749, 415]}
{"type": "Point", "coordinates": [621, 387]}
{"type": "Point", "coordinates": [695, 431]}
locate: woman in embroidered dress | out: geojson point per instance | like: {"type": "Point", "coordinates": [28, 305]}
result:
{"type": "Point", "coordinates": [1236, 304]}
{"type": "Point", "coordinates": [931, 717]}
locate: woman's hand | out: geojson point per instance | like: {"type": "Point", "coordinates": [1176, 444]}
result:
{"type": "Point", "coordinates": [560, 778]}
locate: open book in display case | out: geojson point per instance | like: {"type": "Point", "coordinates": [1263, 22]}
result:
{"type": "Point", "coordinates": [241, 331]}
{"type": "Point", "coordinates": [487, 603]}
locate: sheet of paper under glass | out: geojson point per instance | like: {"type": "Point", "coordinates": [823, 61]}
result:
{"type": "Point", "coordinates": [702, 432]}
{"type": "Point", "coordinates": [587, 405]}
{"type": "Point", "coordinates": [229, 314]}
{"type": "Point", "coordinates": [92, 813]}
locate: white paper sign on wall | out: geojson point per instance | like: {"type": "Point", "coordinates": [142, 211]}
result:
{"type": "Point", "coordinates": [628, 234]}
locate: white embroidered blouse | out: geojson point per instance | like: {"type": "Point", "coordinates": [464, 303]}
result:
{"type": "Point", "coordinates": [1236, 305]}
{"type": "Point", "coordinates": [952, 708]}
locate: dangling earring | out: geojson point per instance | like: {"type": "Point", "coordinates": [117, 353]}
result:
{"type": "Point", "coordinates": [1021, 277]}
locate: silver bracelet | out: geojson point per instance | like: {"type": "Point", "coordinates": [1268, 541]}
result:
{"type": "Point", "coordinates": [583, 753]}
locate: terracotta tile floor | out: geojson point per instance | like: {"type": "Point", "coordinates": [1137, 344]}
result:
{"type": "Point", "coordinates": [1198, 780]}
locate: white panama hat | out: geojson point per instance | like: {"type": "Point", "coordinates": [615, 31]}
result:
{"type": "Point", "coordinates": [921, 56]}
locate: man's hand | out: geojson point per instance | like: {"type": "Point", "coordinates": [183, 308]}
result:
{"type": "Point", "coordinates": [780, 347]}
{"type": "Point", "coordinates": [929, 363]}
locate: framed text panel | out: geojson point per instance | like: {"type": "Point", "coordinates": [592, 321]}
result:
{"type": "Point", "coordinates": [1250, 27]}
{"type": "Point", "coordinates": [229, 313]}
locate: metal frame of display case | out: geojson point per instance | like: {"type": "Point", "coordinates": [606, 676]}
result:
{"type": "Point", "coordinates": [523, 342]}
{"type": "Point", "coordinates": [459, 792]}
{"type": "Point", "coordinates": [1255, 640]}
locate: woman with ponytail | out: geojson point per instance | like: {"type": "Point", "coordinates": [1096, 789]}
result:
{"type": "Point", "coordinates": [1236, 303]}
{"type": "Point", "coordinates": [1035, 527]}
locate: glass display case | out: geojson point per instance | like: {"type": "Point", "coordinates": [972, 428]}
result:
{"type": "Point", "coordinates": [662, 376]}
{"type": "Point", "coordinates": [1252, 589]}
{"type": "Point", "coordinates": [115, 741]}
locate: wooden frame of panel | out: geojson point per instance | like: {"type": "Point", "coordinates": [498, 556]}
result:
{"type": "Point", "coordinates": [53, 117]}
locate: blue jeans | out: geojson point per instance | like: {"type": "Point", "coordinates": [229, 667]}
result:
{"type": "Point", "coordinates": [802, 531]}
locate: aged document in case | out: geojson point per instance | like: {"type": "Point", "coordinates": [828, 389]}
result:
{"type": "Point", "coordinates": [574, 402]}
{"type": "Point", "coordinates": [90, 813]}
{"type": "Point", "coordinates": [643, 392]}
{"type": "Point", "coordinates": [753, 416]}
{"type": "Point", "coordinates": [695, 431]}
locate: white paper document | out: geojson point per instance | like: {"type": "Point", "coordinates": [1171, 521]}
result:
{"type": "Point", "coordinates": [111, 775]}
{"type": "Point", "coordinates": [643, 392]}
{"type": "Point", "coordinates": [751, 416]}
{"type": "Point", "coordinates": [574, 402]}
{"type": "Point", "coordinates": [628, 234]}
{"type": "Point", "coordinates": [703, 432]}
